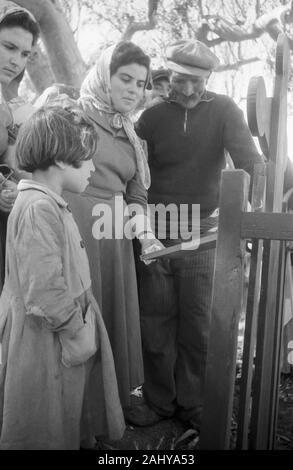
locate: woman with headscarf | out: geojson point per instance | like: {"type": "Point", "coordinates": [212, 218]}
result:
{"type": "Point", "coordinates": [18, 33]}
{"type": "Point", "coordinates": [110, 94]}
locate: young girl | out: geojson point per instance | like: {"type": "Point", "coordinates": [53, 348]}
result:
{"type": "Point", "coordinates": [57, 377]}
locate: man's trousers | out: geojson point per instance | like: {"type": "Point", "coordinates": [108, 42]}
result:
{"type": "Point", "coordinates": [175, 297]}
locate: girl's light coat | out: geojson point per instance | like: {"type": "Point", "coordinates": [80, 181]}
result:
{"type": "Point", "coordinates": [44, 405]}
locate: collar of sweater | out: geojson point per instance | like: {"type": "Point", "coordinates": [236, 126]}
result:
{"type": "Point", "coordinates": [205, 97]}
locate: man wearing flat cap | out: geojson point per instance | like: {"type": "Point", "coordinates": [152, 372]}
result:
{"type": "Point", "coordinates": [159, 88]}
{"type": "Point", "coordinates": [161, 83]}
{"type": "Point", "coordinates": [187, 136]}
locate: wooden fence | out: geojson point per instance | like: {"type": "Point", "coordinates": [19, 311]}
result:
{"type": "Point", "coordinates": [268, 228]}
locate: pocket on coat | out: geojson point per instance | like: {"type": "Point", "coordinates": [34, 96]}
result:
{"type": "Point", "coordinates": [77, 349]}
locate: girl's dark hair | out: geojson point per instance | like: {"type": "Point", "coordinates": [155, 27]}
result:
{"type": "Point", "coordinates": [55, 133]}
{"type": "Point", "coordinates": [128, 53]}
{"type": "Point", "coordinates": [22, 20]}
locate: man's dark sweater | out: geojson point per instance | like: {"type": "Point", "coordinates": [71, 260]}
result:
{"type": "Point", "coordinates": [186, 149]}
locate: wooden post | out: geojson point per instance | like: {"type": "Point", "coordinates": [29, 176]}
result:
{"type": "Point", "coordinates": [257, 205]}
{"type": "Point", "coordinates": [226, 306]}
{"type": "Point", "coordinates": [277, 348]}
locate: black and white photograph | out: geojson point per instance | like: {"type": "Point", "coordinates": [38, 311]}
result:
{"type": "Point", "coordinates": [146, 229]}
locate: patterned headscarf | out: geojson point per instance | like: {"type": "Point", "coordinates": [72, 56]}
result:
{"type": "Point", "coordinates": [96, 93]}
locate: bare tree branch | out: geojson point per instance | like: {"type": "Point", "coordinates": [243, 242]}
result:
{"type": "Point", "coordinates": [221, 22]}
{"type": "Point", "coordinates": [272, 23]}
{"type": "Point", "coordinates": [228, 31]}
{"type": "Point", "coordinates": [153, 8]}
{"type": "Point", "coordinates": [200, 7]}
{"type": "Point", "coordinates": [237, 65]}
{"type": "Point", "coordinates": [135, 26]}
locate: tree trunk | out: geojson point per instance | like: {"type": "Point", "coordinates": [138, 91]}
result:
{"type": "Point", "coordinates": [65, 59]}
{"type": "Point", "coordinates": [39, 70]}
{"type": "Point", "coordinates": [135, 26]}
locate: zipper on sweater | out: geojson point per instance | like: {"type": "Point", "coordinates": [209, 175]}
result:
{"type": "Point", "coordinates": [185, 121]}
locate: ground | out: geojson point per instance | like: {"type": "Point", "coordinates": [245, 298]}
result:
{"type": "Point", "coordinates": [285, 417]}
{"type": "Point", "coordinates": [168, 434]}
{"type": "Point", "coordinates": [172, 435]}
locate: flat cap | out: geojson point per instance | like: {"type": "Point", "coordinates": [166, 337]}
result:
{"type": "Point", "coordinates": [160, 74]}
{"type": "Point", "coordinates": [191, 57]}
